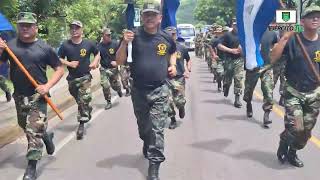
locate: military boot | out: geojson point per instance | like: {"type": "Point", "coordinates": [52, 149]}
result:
{"type": "Point", "coordinates": [182, 112]}
{"type": "Point", "coordinates": [237, 102]}
{"type": "Point", "coordinates": [8, 96]}
{"type": "Point", "coordinates": [266, 120]}
{"type": "Point", "coordinates": [219, 86]}
{"type": "Point", "coordinates": [80, 131]}
{"type": "Point", "coordinates": [153, 171]}
{"type": "Point", "coordinates": [128, 92]}
{"type": "Point", "coordinates": [31, 171]}
{"type": "Point", "coordinates": [173, 123]}
{"type": "Point", "coordinates": [281, 101]}
{"type": "Point", "coordinates": [47, 139]}
{"type": "Point", "coordinates": [120, 93]}
{"type": "Point", "coordinates": [249, 110]}
{"type": "Point", "coordinates": [282, 151]}
{"type": "Point", "coordinates": [225, 91]}
{"type": "Point", "coordinates": [108, 105]}
{"type": "Point", "coordinates": [293, 158]}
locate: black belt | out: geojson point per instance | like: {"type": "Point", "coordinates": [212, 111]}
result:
{"type": "Point", "coordinates": [148, 86]}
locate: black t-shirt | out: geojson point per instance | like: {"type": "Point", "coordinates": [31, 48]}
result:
{"type": "Point", "coordinates": [182, 54]}
{"type": "Point", "coordinates": [108, 53]}
{"type": "Point", "coordinates": [298, 73]}
{"type": "Point", "coordinates": [231, 40]}
{"type": "Point", "coordinates": [35, 57]}
{"type": "Point", "coordinates": [214, 43]}
{"type": "Point", "coordinates": [268, 39]}
{"type": "Point", "coordinates": [151, 55]}
{"type": "Point", "coordinates": [78, 52]}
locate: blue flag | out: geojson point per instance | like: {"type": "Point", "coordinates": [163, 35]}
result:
{"type": "Point", "coordinates": [130, 14]}
{"type": "Point", "coordinates": [6, 33]}
{"type": "Point", "coordinates": [5, 24]}
{"type": "Point", "coordinates": [169, 9]}
{"type": "Point", "coordinates": [253, 19]}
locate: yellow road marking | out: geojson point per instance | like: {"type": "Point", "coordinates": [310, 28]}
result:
{"type": "Point", "coordinates": [280, 113]}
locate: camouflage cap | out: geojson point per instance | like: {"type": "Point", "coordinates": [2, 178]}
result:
{"type": "Point", "coordinates": [225, 28]}
{"type": "Point", "coordinates": [77, 23]}
{"type": "Point", "coordinates": [310, 10]}
{"type": "Point", "coordinates": [218, 29]}
{"type": "Point", "coordinates": [151, 7]}
{"type": "Point", "coordinates": [27, 17]}
{"type": "Point", "coordinates": [106, 31]}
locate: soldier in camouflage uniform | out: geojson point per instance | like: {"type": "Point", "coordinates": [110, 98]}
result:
{"type": "Point", "coordinates": [78, 51]}
{"type": "Point", "coordinates": [154, 57]}
{"type": "Point", "coordinates": [207, 41]}
{"type": "Point", "coordinates": [5, 88]}
{"type": "Point", "coordinates": [233, 65]}
{"type": "Point", "coordinates": [30, 104]}
{"type": "Point", "coordinates": [269, 38]}
{"type": "Point", "coordinates": [302, 90]}
{"type": "Point", "coordinates": [125, 78]}
{"type": "Point", "coordinates": [199, 45]}
{"type": "Point", "coordinates": [109, 70]}
{"type": "Point", "coordinates": [278, 73]}
{"type": "Point", "coordinates": [177, 83]}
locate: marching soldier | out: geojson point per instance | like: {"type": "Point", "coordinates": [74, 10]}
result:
{"type": "Point", "coordinates": [216, 57]}
{"type": "Point", "coordinates": [125, 78]}
{"type": "Point", "coordinates": [269, 38]}
{"type": "Point", "coordinates": [302, 91]}
{"type": "Point", "coordinates": [5, 88]}
{"type": "Point", "coordinates": [78, 51]}
{"type": "Point", "coordinates": [233, 63]}
{"type": "Point", "coordinates": [177, 83]}
{"type": "Point", "coordinates": [30, 104]}
{"type": "Point", "coordinates": [109, 72]}
{"type": "Point", "coordinates": [154, 57]}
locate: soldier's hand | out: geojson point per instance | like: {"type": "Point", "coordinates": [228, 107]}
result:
{"type": "Point", "coordinates": [114, 63]}
{"type": "Point", "coordinates": [286, 36]}
{"type": "Point", "coordinates": [74, 64]}
{"type": "Point", "coordinates": [93, 66]}
{"type": "Point", "coordinates": [2, 44]}
{"type": "Point", "coordinates": [186, 74]}
{"type": "Point", "coordinates": [172, 71]}
{"type": "Point", "coordinates": [43, 89]}
{"type": "Point", "coordinates": [235, 51]}
{"type": "Point", "coordinates": [128, 36]}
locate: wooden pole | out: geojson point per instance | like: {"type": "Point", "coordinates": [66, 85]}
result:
{"type": "Point", "coordinates": [32, 80]}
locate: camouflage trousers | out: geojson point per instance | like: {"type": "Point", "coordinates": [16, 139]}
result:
{"type": "Point", "coordinates": [302, 110]}
{"type": "Point", "coordinates": [109, 79]}
{"type": "Point", "coordinates": [278, 72]}
{"type": "Point", "coordinates": [80, 89]}
{"type": "Point", "coordinates": [3, 84]}
{"type": "Point", "coordinates": [151, 110]}
{"type": "Point", "coordinates": [125, 76]}
{"type": "Point", "coordinates": [251, 80]}
{"type": "Point", "coordinates": [233, 69]}
{"type": "Point", "coordinates": [219, 70]}
{"type": "Point", "coordinates": [32, 118]}
{"type": "Point", "coordinates": [177, 94]}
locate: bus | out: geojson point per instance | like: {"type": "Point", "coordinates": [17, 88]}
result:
{"type": "Point", "coordinates": [188, 33]}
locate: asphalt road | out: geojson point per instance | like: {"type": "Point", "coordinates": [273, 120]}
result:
{"type": "Point", "coordinates": [215, 141]}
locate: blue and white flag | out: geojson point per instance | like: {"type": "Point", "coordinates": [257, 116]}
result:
{"type": "Point", "coordinates": [253, 18]}
{"type": "Point", "coordinates": [169, 9]}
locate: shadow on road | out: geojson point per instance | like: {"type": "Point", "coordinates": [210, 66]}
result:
{"type": "Point", "coordinates": [267, 159]}
{"type": "Point", "coordinates": [219, 101]}
{"type": "Point", "coordinates": [239, 118]}
{"type": "Point", "coordinates": [126, 160]}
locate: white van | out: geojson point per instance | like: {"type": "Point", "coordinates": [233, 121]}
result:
{"type": "Point", "coordinates": [188, 33]}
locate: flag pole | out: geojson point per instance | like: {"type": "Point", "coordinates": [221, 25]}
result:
{"type": "Point", "coordinates": [32, 80]}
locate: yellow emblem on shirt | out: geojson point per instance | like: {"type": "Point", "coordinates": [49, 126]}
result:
{"type": "Point", "coordinates": [83, 52]}
{"type": "Point", "coordinates": [111, 51]}
{"type": "Point", "coordinates": [178, 55]}
{"type": "Point", "coordinates": [162, 49]}
{"type": "Point", "coordinates": [317, 56]}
